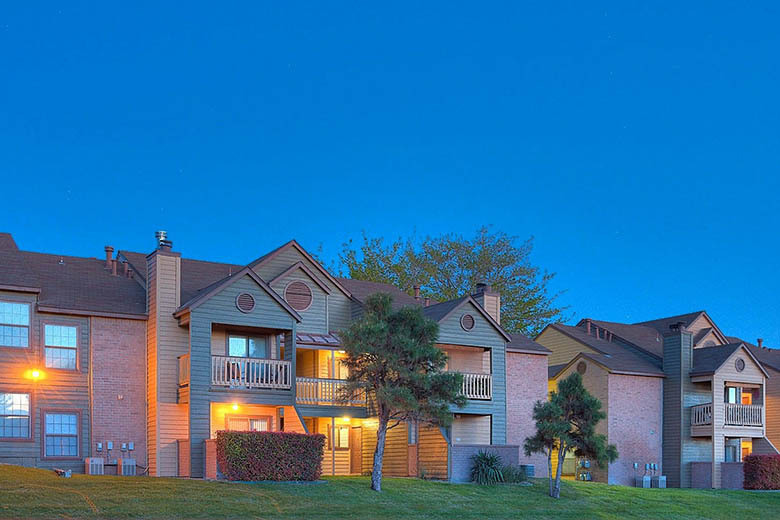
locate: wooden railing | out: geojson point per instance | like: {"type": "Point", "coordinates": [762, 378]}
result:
{"type": "Point", "coordinates": [477, 386]}
{"type": "Point", "coordinates": [744, 414]}
{"type": "Point", "coordinates": [184, 369]}
{"type": "Point", "coordinates": [309, 390]}
{"type": "Point", "coordinates": [734, 414]}
{"type": "Point", "coordinates": [241, 372]}
{"type": "Point", "coordinates": [701, 415]}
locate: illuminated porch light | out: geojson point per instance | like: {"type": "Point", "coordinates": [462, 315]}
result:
{"type": "Point", "coordinates": [235, 406]}
{"type": "Point", "coordinates": [345, 419]}
{"type": "Point", "coordinates": [34, 373]}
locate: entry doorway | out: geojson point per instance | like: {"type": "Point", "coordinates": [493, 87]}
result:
{"type": "Point", "coordinates": [356, 451]}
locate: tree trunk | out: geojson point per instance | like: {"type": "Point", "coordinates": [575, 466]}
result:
{"type": "Point", "coordinates": [379, 453]}
{"type": "Point", "coordinates": [561, 455]}
{"type": "Point", "coordinates": [549, 470]}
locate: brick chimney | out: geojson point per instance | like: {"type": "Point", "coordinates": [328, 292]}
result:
{"type": "Point", "coordinates": [760, 342]}
{"type": "Point", "coordinates": [489, 299]}
{"type": "Point", "coordinates": [109, 253]}
{"type": "Point", "coordinates": [417, 292]}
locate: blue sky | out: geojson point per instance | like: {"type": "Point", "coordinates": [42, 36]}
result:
{"type": "Point", "coordinates": [639, 145]}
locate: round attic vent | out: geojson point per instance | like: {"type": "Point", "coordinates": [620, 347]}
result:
{"type": "Point", "coordinates": [467, 321]}
{"type": "Point", "coordinates": [582, 367]}
{"type": "Point", "coordinates": [298, 295]}
{"type": "Point", "coordinates": [245, 302]}
{"type": "Point", "coordinates": [739, 364]}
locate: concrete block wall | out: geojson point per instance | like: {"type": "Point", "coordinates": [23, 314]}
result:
{"type": "Point", "coordinates": [460, 458]}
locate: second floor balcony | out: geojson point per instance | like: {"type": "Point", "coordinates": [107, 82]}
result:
{"type": "Point", "coordinates": [734, 414]}
{"type": "Point", "coordinates": [251, 373]}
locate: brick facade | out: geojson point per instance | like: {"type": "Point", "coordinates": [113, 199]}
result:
{"type": "Point", "coordinates": [526, 383]}
{"type": "Point", "coordinates": [635, 424]}
{"type": "Point", "coordinates": [461, 454]}
{"type": "Point", "coordinates": [119, 385]}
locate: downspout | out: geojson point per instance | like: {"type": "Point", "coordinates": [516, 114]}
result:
{"type": "Point", "coordinates": [333, 444]}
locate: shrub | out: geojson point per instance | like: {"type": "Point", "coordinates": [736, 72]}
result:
{"type": "Point", "coordinates": [762, 472]}
{"type": "Point", "coordinates": [513, 474]}
{"type": "Point", "coordinates": [270, 455]}
{"type": "Point", "coordinates": [486, 468]}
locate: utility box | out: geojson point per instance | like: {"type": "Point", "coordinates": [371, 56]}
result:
{"type": "Point", "coordinates": [94, 466]}
{"type": "Point", "coordinates": [126, 467]}
{"type": "Point", "coordinates": [529, 470]}
{"type": "Point", "coordinates": [659, 482]}
{"type": "Point", "coordinates": [644, 481]}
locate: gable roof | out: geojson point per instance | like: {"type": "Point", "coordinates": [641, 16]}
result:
{"type": "Point", "coordinates": [70, 283]}
{"type": "Point", "coordinates": [611, 356]}
{"type": "Point", "coordinates": [226, 282]}
{"type": "Point", "coordinates": [708, 360]}
{"type": "Point", "coordinates": [662, 324]}
{"type": "Point", "coordinates": [294, 244]}
{"type": "Point", "coordinates": [524, 344]}
{"type": "Point", "coordinates": [769, 357]}
{"type": "Point", "coordinates": [641, 336]}
{"type": "Point", "coordinates": [441, 311]}
{"type": "Point", "coordinates": [619, 363]}
{"type": "Point", "coordinates": [7, 242]}
{"type": "Point", "coordinates": [306, 270]}
{"type": "Point", "coordinates": [554, 370]}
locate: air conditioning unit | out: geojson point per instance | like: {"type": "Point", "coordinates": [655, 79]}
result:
{"type": "Point", "coordinates": [125, 467]}
{"type": "Point", "coordinates": [94, 466]}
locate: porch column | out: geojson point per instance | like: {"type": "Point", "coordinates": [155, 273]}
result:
{"type": "Point", "coordinates": [200, 382]}
{"type": "Point", "coordinates": [718, 420]}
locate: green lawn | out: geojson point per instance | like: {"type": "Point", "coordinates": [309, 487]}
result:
{"type": "Point", "coordinates": [31, 493]}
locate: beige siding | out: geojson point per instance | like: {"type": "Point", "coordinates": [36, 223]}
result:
{"type": "Point", "coordinates": [396, 463]}
{"type": "Point", "coordinates": [563, 348]}
{"type": "Point", "coordinates": [341, 457]}
{"type": "Point", "coordinates": [151, 369]}
{"type": "Point", "coordinates": [218, 342]}
{"type": "Point", "coordinates": [471, 429]}
{"type": "Point", "coordinates": [773, 407]}
{"type": "Point", "coordinates": [432, 453]}
{"type": "Point", "coordinates": [467, 359]}
{"type": "Point", "coordinates": [173, 425]}
{"type": "Point", "coordinates": [729, 373]}
{"type": "Point", "coordinates": [369, 445]}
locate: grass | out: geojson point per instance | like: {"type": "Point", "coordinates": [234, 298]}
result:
{"type": "Point", "coordinates": [33, 493]}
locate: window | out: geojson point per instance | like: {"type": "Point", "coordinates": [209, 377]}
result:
{"type": "Point", "coordinates": [61, 344]}
{"type": "Point", "coordinates": [243, 346]}
{"type": "Point", "coordinates": [61, 434]}
{"type": "Point", "coordinates": [340, 438]}
{"type": "Point", "coordinates": [733, 449]}
{"type": "Point", "coordinates": [15, 416]}
{"type": "Point", "coordinates": [248, 424]}
{"type": "Point", "coordinates": [14, 324]}
{"type": "Point", "coordinates": [412, 431]}
{"type": "Point", "coordinates": [732, 394]}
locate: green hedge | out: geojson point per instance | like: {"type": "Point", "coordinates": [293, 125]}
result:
{"type": "Point", "coordinates": [762, 472]}
{"type": "Point", "coordinates": [252, 456]}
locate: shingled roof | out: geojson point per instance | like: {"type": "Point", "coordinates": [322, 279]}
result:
{"type": "Point", "coordinates": [645, 337]}
{"type": "Point", "coordinates": [662, 324]}
{"type": "Point", "coordinates": [612, 356]}
{"type": "Point", "coordinates": [362, 289]}
{"type": "Point", "coordinates": [767, 356]}
{"type": "Point", "coordinates": [70, 283]}
{"type": "Point", "coordinates": [522, 343]}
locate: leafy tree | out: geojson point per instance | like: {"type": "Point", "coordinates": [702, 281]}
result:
{"type": "Point", "coordinates": [567, 421]}
{"type": "Point", "coordinates": [392, 357]}
{"type": "Point", "coordinates": [449, 266]}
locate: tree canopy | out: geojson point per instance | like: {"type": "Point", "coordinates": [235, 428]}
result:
{"type": "Point", "coordinates": [392, 357]}
{"type": "Point", "coordinates": [449, 266]}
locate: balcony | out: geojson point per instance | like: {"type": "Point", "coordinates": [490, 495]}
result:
{"type": "Point", "coordinates": [477, 386]}
{"type": "Point", "coordinates": [250, 373]}
{"type": "Point", "coordinates": [322, 392]}
{"type": "Point", "coordinates": [750, 415]}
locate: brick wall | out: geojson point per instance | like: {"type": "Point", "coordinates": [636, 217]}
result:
{"type": "Point", "coordinates": [460, 458]}
{"type": "Point", "coordinates": [701, 475]}
{"type": "Point", "coordinates": [732, 475]}
{"type": "Point", "coordinates": [526, 383]}
{"type": "Point", "coordinates": [119, 385]}
{"type": "Point", "coordinates": [635, 424]}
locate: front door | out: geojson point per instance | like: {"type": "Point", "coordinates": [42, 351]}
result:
{"type": "Point", "coordinates": [356, 451]}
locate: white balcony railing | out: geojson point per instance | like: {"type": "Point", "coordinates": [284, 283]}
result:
{"type": "Point", "coordinates": [309, 390]}
{"type": "Point", "coordinates": [477, 386]}
{"type": "Point", "coordinates": [241, 372]}
{"type": "Point", "coordinates": [701, 415]}
{"type": "Point", "coordinates": [744, 415]}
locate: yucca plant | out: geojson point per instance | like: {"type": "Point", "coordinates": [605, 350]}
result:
{"type": "Point", "coordinates": [486, 468]}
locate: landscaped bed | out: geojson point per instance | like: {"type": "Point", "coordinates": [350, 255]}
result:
{"type": "Point", "coordinates": [31, 493]}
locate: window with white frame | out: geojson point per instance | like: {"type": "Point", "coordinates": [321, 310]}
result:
{"type": "Point", "coordinates": [339, 437]}
{"type": "Point", "coordinates": [61, 434]}
{"type": "Point", "coordinates": [61, 344]}
{"type": "Point", "coordinates": [248, 424]}
{"type": "Point", "coordinates": [14, 416]}
{"type": "Point", "coordinates": [246, 346]}
{"type": "Point", "coordinates": [14, 324]}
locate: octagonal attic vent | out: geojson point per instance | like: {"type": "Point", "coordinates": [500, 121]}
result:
{"type": "Point", "coordinates": [298, 295]}
{"type": "Point", "coordinates": [245, 302]}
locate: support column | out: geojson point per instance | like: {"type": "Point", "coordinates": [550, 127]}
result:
{"type": "Point", "coordinates": [200, 382]}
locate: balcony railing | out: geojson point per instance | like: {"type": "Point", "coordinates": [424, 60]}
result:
{"type": "Point", "coordinates": [744, 415]}
{"type": "Point", "coordinates": [477, 386]}
{"type": "Point", "coordinates": [701, 415]}
{"type": "Point", "coordinates": [309, 390]}
{"type": "Point", "coordinates": [241, 372]}
{"type": "Point", "coordinates": [734, 414]}
{"type": "Point", "coordinates": [184, 369]}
